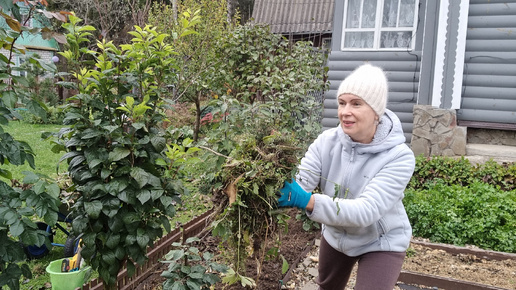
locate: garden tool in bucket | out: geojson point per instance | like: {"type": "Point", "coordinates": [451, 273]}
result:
{"type": "Point", "coordinates": [67, 273]}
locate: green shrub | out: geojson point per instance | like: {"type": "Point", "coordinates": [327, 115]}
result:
{"type": "Point", "coordinates": [43, 90]}
{"type": "Point", "coordinates": [128, 173]}
{"type": "Point", "coordinates": [19, 207]}
{"type": "Point", "coordinates": [263, 119]}
{"type": "Point", "coordinates": [460, 171]}
{"type": "Point", "coordinates": [54, 116]}
{"type": "Point", "coordinates": [478, 214]}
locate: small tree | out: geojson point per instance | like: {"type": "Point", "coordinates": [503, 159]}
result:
{"type": "Point", "coordinates": [112, 19]}
{"type": "Point", "coordinates": [196, 52]}
{"type": "Point", "coordinates": [117, 150]}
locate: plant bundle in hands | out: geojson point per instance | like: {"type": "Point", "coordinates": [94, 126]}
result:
{"type": "Point", "coordinates": [251, 178]}
{"type": "Point", "coordinates": [258, 166]}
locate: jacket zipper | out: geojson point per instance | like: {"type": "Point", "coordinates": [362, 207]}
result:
{"type": "Point", "coordinates": [347, 175]}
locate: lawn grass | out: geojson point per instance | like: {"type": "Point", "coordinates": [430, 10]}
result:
{"type": "Point", "coordinates": [45, 160]}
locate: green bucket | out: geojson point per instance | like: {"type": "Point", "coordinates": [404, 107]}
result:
{"type": "Point", "coordinates": [67, 280]}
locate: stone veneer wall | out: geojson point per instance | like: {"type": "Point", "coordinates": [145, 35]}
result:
{"type": "Point", "coordinates": [435, 132]}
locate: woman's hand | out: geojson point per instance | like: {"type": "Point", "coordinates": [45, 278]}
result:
{"type": "Point", "coordinates": [294, 196]}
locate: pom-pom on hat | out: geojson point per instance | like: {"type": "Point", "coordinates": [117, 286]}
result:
{"type": "Point", "coordinates": [369, 83]}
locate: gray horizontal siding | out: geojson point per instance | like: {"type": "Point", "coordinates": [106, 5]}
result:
{"type": "Point", "coordinates": [476, 92]}
{"type": "Point", "coordinates": [503, 45]}
{"type": "Point", "coordinates": [493, 21]}
{"type": "Point", "coordinates": [492, 57]}
{"type": "Point", "coordinates": [494, 82]}
{"type": "Point", "coordinates": [487, 8]}
{"type": "Point", "coordinates": [496, 115]}
{"type": "Point", "coordinates": [492, 33]}
{"type": "Point", "coordinates": [402, 70]}
{"type": "Point", "coordinates": [489, 83]}
{"type": "Point", "coordinates": [487, 104]}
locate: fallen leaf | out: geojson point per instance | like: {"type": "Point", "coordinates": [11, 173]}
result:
{"type": "Point", "coordinates": [231, 190]}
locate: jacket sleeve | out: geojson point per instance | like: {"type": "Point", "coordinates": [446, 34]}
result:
{"type": "Point", "coordinates": [382, 192]}
{"type": "Point", "coordinates": [310, 167]}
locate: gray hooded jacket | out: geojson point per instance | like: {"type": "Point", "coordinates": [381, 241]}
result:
{"type": "Point", "coordinates": [362, 186]}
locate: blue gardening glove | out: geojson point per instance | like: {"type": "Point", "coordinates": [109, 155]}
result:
{"type": "Point", "coordinates": [293, 195]}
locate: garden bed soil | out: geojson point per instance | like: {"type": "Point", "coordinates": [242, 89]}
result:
{"type": "Point", "coordinates": [468, 267]}
{"type": "Point", "coordinates": [298, 244]}
{"type": "Point", "coordinates": [293, 244]}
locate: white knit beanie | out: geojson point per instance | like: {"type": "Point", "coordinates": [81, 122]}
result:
{"type": "Point", "coordinates": [369, 83]}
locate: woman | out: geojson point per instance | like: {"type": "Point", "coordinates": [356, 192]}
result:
{"type": "Point", "coordinates": [362, 168]}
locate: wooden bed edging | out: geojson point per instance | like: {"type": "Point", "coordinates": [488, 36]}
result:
{"type": "Point", "coordinates": [483, 254]}
{"type": "Point", "coordinates": [154, 254]}
{"type": "Point", "coordinates": [293, 266]}
{"type": "Point", "coordinates": [409, 277]}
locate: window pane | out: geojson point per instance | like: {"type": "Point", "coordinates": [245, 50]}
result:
{"type": "Point", "coordinates": [393, 39]}
{"type": "Point", "coordinates": [369, 14]}
{"type": "Point", "coordinates": [359, 39]}
{"type": "Point", "coordinates": [390, 13]}
{"type": "Point", "coordinates": [353, 17]}
{"type": "Point", "coordinates": [407, 13]}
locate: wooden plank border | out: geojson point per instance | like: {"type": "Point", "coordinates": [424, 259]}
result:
{"type": "Point", "coordinates": [154, 254]}
{"type": "Point", "coordinates": [420, 279]}
{"type": "Point", "coordinates": [483, 254]}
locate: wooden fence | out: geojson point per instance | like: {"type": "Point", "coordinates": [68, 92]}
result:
{"type": "Point", "coordinates": [160, 249]}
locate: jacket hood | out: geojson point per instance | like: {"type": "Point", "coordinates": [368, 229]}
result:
{"type": "Point", "coordinates": [389, 134]}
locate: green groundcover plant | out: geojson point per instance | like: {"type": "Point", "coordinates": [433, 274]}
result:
{"type": "Point", "coordinates": [452, 201]}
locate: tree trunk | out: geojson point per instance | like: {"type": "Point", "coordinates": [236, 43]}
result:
{"type": "Point", "coordinates": [174, 9]}
{"type": "Point", "coordinates": [230, 11]}
{"type": "Point", "coordinates": [197, 117]}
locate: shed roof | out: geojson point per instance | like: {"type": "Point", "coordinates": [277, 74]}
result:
{"type": "Point", "coordinates": [36, 41]}
{"type": "Point", "coordinates": [295, 16]}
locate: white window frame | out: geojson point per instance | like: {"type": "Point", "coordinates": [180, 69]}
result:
{"type": "Point", "coordinates": [21, 61]}
{"type": "Point", "coordinates": [29, 23]}
{"type": "Point", "coordinates": [378, 29]}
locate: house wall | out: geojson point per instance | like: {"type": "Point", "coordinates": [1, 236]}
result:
{"type": "Point", "coordinates": [45, 55]}
{"type": "Point", "coordinates": [402, 70]}
{"type": "Point", "coordinates": [317, 39]}
{"type": "Point", "coordinates": [489, 81]}
{"type": "Point", "coordinates": [401, 67]}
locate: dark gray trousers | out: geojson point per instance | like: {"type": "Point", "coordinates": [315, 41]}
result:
{"type": "Point", "coordinates": [376, 270]}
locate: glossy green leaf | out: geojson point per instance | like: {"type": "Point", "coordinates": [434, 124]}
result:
{"type": "Point", "coordinates": [143, 196]}
{"type": "Point", "coordinates": [119, 153]}
{"type": "Point", "coordinates": [113, 241]}
{"type": "Point", "coordinates": [93, 208]}
{"type": "Point", "coordinates": [17, 228]}
{"type": "Point", "coordinates": [140, 175]}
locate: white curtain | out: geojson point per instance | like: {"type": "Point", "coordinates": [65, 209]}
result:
{"type": "Point", "coordinates": [361, 14]}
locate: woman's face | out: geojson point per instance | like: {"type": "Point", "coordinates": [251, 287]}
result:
{"type": "Point", "coordinates": [357, 118]}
